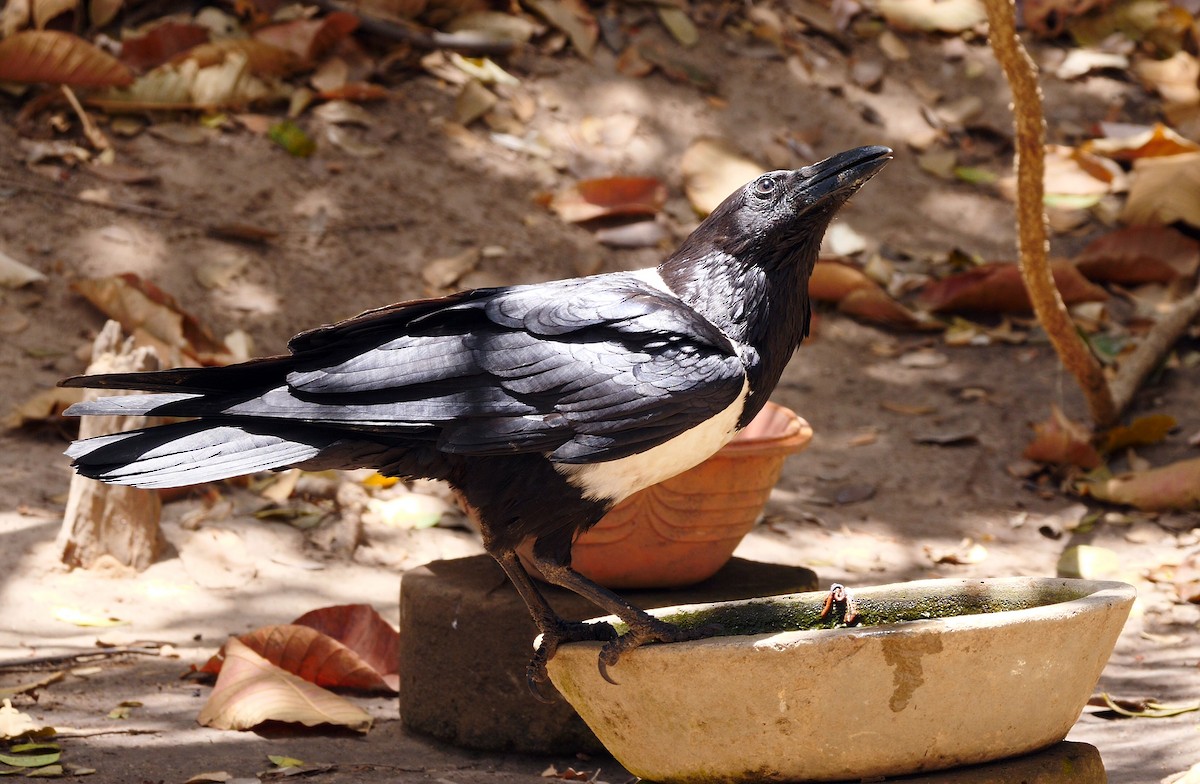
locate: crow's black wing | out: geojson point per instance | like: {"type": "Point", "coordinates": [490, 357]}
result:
{"type": "Point", "coordinates": [587, 370]}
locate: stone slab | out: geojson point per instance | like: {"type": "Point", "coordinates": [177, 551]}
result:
{"type": "Point", "coordinates": [466, 638]}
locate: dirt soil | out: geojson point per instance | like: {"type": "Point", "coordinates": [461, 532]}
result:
{"type": "Point", "coordinates": [866, 504]}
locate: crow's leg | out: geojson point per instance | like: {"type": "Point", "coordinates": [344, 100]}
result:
{"type": "Point", "coordinates": [553, 628]}
{"type": "Point", "coordinates": [643, 627]}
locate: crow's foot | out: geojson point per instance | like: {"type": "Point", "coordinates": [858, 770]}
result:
{"type": "Point", "coordinates": [649, 630]}
{"type": "Point", "coordinates": [840, 600]}
{"type": "Point", "coordinates": [536, 676]}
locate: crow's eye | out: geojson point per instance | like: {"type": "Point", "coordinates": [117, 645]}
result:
{"type": "Point", "coordinates": [765, 186]}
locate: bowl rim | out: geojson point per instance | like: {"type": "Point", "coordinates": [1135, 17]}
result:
{"type": "Point", "coordinates": [1094, 595]}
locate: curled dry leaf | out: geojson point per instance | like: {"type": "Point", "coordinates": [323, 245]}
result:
{"type": "Point", "coordinates": [712, 169]}
{"type": "Point", "coordinates": [250, 690]}
{"type": "Point", "coordinates": [308, 39]}
{"type": "Point", "coordinates": [15, 274]}
{"type": "Point", "coordinates": [571, 17]}
{"type": "Point", "coordinates": [998, 288]}
{"type": "Point", "coordinates": [152, 316]}
{"type": "Point", "coordinates": [1143, 431]}
{"type": "Point", "coordinates": [1140, 254]}
{"type": "Point", "coordinates": [609, 197]}
{"type": "Point", "coordinates": [1062, 441]}
{"type": "Point", "coordinates": [14, 724]}
{"type": "Point", "coordinates": [361, 629]}
{"type": "Point", "coordinates": [1173, 486]}
{"type": "Point", "coordinates": [1128, 143]}
{"type": "Point", "coordinates": [59, 58]}
{"type": "Point", "coordinates": [1164, 190]}
{"type": "Point", "coordinates": [259, 57]}
{"type": "Point", "coordinates": [311, 655]}
{"type": "Point", "coordinates": [945, 16]}
{"type": "Point", "coordinates": [161, 43]}
{"type": "Point", "coordinates": [832, 280]}
{"type": "Point", "coordinates": [1177, 78]}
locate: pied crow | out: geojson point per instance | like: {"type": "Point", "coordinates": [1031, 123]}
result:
{"type": "Point", "coordinates": [543, 405]}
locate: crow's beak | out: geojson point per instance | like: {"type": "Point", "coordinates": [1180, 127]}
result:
{"type": "Point", "coordinates": [842, 174]}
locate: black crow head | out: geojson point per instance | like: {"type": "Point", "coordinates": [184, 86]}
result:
{"type": "Point", "coordinates": [783, 214]}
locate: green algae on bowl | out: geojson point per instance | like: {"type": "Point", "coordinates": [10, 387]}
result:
{"type": "Point", "coordinates": [802, 611]}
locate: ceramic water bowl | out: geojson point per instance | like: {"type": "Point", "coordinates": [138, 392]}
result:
{"type": "Point", "coordinates": [941, 673]}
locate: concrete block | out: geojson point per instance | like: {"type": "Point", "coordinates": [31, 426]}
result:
{"type": "Point", "coordinates": [466, 638]}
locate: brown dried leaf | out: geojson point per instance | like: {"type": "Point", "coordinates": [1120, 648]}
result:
{"type": "Point", "coordinates": [607, 197]}
{"type": "Point", "coordinates": [312, 655]}
{"type": "Point", "coordinates": [1164, 190]}
{"type": "Point", "coordinates": [998, 288]}
{"type": "Point", "coordinates": [1173, 486]}
{"type": "Point", "coordinates": [59, 58]}
{"type": "Point", "coordinates": [1140, 254]}
{"type": "Point", "coordinates": [712, 169]}
{"type": "Point", "coordinates": [968, 552]}
{"type": "Point", "coordinates": [1049, 17]}
{"type": "Point", "coordinates": [1135, 142]}
{"type": "Point", "coordinates": [832, 280]}
{"type": "Point", "coordinates": [1061, 441]}
{"type": "Point", "coordinates": [1175, 78]}
{"type": "Point", "coordinates": [46, 10]}
{"type": "Point", "coordinates": [161, 43]}
{"type": "Point", "coordinates": [878, 307]}
{"type": "Point", "coordinates": [1143, 431]}
{"type": "Point", "coordinates": [1187, 581]}
{"type": "Point", "coordinates": [361, 629]}
{"type": "Point", "coordinates": [250, 690]}
{"type": "Point", "coordinates": [43, 405]}
{"type": "Point", "coordinates": [261, 58]}
{"type": "Point", "coordinates": [143, 309]}
{"type": "Point", "coordinates": [101, 12]}
{"type": "Point", "coordinates": [309, 38]}
{"type": "Point", "coordinates": [946, 16]}
{"type": "Point", "coordinates": [573, 18]}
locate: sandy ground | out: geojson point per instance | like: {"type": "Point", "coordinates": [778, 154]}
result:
{"type": "Point", "coordinates": [356, 233]}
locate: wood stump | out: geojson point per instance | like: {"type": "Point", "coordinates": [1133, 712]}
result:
{"type": "Point", "coordinates": [112, 520]}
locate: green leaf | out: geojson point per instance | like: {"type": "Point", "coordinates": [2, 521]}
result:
{"type": "Point", "coordinates": [31, 760]}
{"type": "Point", "coordinates": [280, 761]}
{"type": "Point", "coordinates": [292, 138]}
{"type": "Point", "coordinates": [975, 175]}
{"type": "Point", "coordinates": [23, 748]}
{"type": "Point", "coordinates": [49, 772]}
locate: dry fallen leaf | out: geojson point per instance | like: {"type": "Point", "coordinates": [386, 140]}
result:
{"type": "Point", "coordinates": [1177, 78]}
{"type": "Point", "coordinates": [1143, 431]}
{"type": "Point", "coordinates": [1164, 190]}
{"type": "Point", "coordinates": [152, 316]}
{"type": "Point", "coordinates": [998, 288]}
{"type": "Point", "coordinates": [1088, 562]}
{"type": "Point", "coordinates": [571, 17]}
{"type": "Point", "coordinates": [41, 406]}
{"type": "Point", "coordinates": [15, 274]}
{"type": "Point", "coordinates": [308, 39]}
{"type": "Point", "coordinates": [1128, 143]}
{"type": "Point", "coordinates": [945, 16]}
{"type": "Point", "coordinates": [1140, 254]}
{"type": "Point", "coordinates": [712, 169]}
{"type": "Point", "coordinates": [967, 552]}
{"type": "Point", "coordinates": [160, 43]}
{"type": "Point", "coordinates": [310, 654]}
{"type": "Point", "coordinates": [250, 690]}
{"type": "Point", "coordinates": [14, 724]}
{"type": "Point", "coordinates": [1173, 486]}
{"type": "Point", "coordinates": [361, 629]}
{"type": "Point", "coordinates": [1062, 441]}
{"type": "Point", "coordinates": [609, 197]}
{"type": "Point", "coordinates": [59, 58]}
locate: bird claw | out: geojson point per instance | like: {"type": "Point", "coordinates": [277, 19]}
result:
{"type": "Point", "coordinates": [840, 597]}
{"type": "Point", "coordinates": [651, 631]}
{"type": "Point", "coordinates": [536, 676]}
